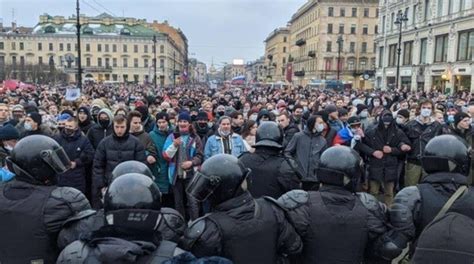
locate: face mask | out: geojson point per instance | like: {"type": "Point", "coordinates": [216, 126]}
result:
{"type": "Point", "coordinates": [104, 123]}
{"type": "Point", "coordinates": [193, 118]}
{"type": "Point", "coordinates": [319, 128]}
{"type": "Point", "coordinates": [8, 147]}
{"type": "Point", "coordinates": [202, 125]}
{"type": "Point", "coordinates": [68, 131]}
{"type": "Point", "coordinates": [354, 131]}
{"type": "Point", "coordinates": [364, 114]}
{"type": "Point", "coordinates": [376, 104]}
{"type": "Point", "coordinates": [464, 109]}
{"type": "Point", "coordinates": [305, 108]}
{"type": "Point", "coordinates": [450, 119]}
{"type": "Point", "coordinates": [224, 133]}
{"type": "Point", "coordinates": [425, 112]}
{"type": "Point", "coordinates": [28, 127]}
{"type": "Point", "coordinates": [253, 117]}
{"type": "Point", "coordinates": [220, 113]}
{"type": "Point", "coordinates": [399, 120]}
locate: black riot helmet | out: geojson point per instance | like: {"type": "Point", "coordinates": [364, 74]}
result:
{"type": "Point", "coordinates": [446, 153]}
{"type": "Point", "coordinates": [340, 166]}
{"type": "Point", "coordinates": [133, 201]}
{"type": "Point", "coordinates": [37, 159]}
{"type": "Point", "coordinates": [220, 179]}
{"type": "Point", "coordinates": [131, 166]}
{"type": "Point", "coordinates": [269, 134]}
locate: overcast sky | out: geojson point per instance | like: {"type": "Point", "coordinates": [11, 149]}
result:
{"type": "Point", "coordinates": [216, 29]}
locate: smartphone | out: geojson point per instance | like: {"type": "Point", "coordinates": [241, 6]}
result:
{"type": "Point", "coordinates": [176, 135]}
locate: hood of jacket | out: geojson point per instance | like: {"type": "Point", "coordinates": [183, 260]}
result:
{"type": "Point", "coordinates": [108, 113]}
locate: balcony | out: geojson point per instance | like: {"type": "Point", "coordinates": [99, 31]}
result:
{"type": "Point", "coordinates": [312, 54]}
{"type": "Point", "coordinates": [270, 57]}
{"type": "Point", "coordinates": [300, 42]}
{"type": "Point", "coordinates": [299, 73]}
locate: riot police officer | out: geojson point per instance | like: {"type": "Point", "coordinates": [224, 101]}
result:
{"type": "Point", "coordinates": [32, 208]}
{"type": "Point", "coordinates": [240, 228]}
{"type": "Point", "coordinates": [272, 173]}
{"type": "Point", "coordinates": [132, 206]}
{"type": "Point", "coordinates": [335, 224]}
{"type": "Point", "coordinates": [171, 226]}
{"type": "Point", "coordinates": [446, 160]}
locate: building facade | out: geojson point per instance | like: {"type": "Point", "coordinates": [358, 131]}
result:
{"type": "Point", "coordinates": [314, 49]}
{"type": "Point", "coordinates": [256, 71]}
{"type": "Point", "coordinates": [113, 49]}
{"type": "Point", "coordinates": [277, 48]}
{"type": "Point", "coordinates": [197, 71]}
{"type": "Point", "coordinates": [436, 47]}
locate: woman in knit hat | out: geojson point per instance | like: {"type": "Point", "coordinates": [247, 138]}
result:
{"type": "Point", "coordinates": [462, 128]}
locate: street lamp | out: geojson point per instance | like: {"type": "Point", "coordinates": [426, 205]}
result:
{"type": "Point", "coordinates": [401, 17]}
{"type": "Point", "coordinates": [154, 61]}
{"type": "Point", "coordinates": [79, 68]}
{"type": "Point", "coordinates": [340, 41]}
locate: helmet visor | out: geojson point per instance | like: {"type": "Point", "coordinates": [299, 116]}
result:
{"type": "Point", "coordinates": [57, 159]}
{"type": "Point", "coordinates": [203, 186]}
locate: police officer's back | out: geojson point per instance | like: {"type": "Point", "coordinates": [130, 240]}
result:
{"type": "Point", "coordinates": [272, 174]}
{"type": "Point", "coordinates": [32, 209]}
{"type": "Point", "coordinates": [446, 160]}
{"type": "Point", "coordinates": [132, 206]}
{"type": "Point", "coordinates": [240, 228]}
{"type": "Point", "coordinates": [336, 224]}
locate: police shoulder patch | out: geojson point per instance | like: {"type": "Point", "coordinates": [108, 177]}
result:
{"type": "Point", "coordinates": [369, 201]}
{"type": "Point", "coordinates": [293, 199]}
{"type": "Point", "coordinates": [196, 228]}
{"type": "Point", "coordinates": [76, 200]}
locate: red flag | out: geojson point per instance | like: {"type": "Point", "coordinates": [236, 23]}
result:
{"type": "Point", "coordinates": [289, 72]}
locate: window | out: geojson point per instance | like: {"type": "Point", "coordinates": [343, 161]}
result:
{"type": "Point", "coordinates": [376, 12]}
{"type": "Point", "coordinates": [75, 47]}
{"type": "Point", "coordinates": [465, 45]}
{"type": "Point", "coordinates": [352, 47]}
{"type": "Point", "coordinates": [350, 64]}
{"type": "Point", "coordinates": [50, 46]}
{"type": "Point", "coordinates": [283, 60]}
{"type": "Point", "coordinates": [107, 62]}
{"type": "Point", "coordinates": [423, 49]}
{"type": "Point", "coordinates": [2, 45]}
{"type": "Point", "coordinates": [135, 48]}
{"type": "Point", "coordinates": [342, 12]}
{"type": "Point", "coordinates": [114, 48]}
{"type": "Point", "coordinates": [22, 46]}
{"type": "Point", "coordinates": [145, 49]}
{"type": "Point", "coordinates": [341, 28]}
{"type": "Point", "coordinates": [135, 63]}
{"type": "Point", "coordinates": [427, 10]}
{"type": "Point", "coordinates": [450, 6]}
{"type": "Point", "coordinates": [329, 46]}
{"type": "Point", "coordinates": [124, 48]}
{"type": "Point", "coordinates": [88, 47]}
{"type": "Point", "coordinates": [441, 48]}
{"type": "Point", "coordinates": [353, 29]}
{"type": "Point", "coordinates": [14, 61]}
{"type": "Point", "coordinates": [407, 52]}
{"type": "Point", "coordinates": [376, 29]}
{"type": "Point", "coordinates": [40, 46]}
{"type": "Point", "coordinates": [284, 49]}
{"type": "Point", "coordinates": [354, 12]}
{"type": "Point", "coordinates": [99, 47]}
{"type": "Point", "coordinates": [99, 62]}
{"type": "Point", "coordinates": [392, 21]}
{"type": "Point", "coordinates": [284, 39]}
{"type": "Point", "coordinates": [106, 47]}
{"type": "Point", "coordinates": [162, 49]}
{"type": "Point", "coordinates": [380, 57]}
{"type": "Point", "coordinates": [13, 45]}
{"type": "Point", "coordinates": [40, 60]}
{"type": "Point", "coordinates": [88, 62]}
{"type": "Point", "coordinates": [68, 46]}
{"type": "Point", "coordinates": [114, 62]}
{"type": "Point", "coordinates": [366, 12]}
{"type": "Point", "coordinates": [363, 64]}
{"type": "Point", "coordinates": [329, 28]}
{"type": "Point", "coordinates": [392, 54]}
{"type": "Point", "coordinates": [365, 30]}
{"type": "Point", "coordinates": [145, 63]}
{"type": "Point", "coordinates": [61, 46]}
{"type": "Point", "coordinates": [162, 63]}
{"type": "Point", "coordinates": [22, 61]}
{"type": "Point", "coordinates": [125, 63]}
{"type": "Point", "coordinates": [383, 24]}
{"type": "Point", "coordinates": [440, 7]}
{"type": "Point", "coordinates": [331, 11]}
{"type": "Point", "coordinates": [364, 47]}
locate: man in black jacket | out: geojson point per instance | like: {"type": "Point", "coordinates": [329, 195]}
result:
{"type": "Point", "coordinates": [102, 129]}
{"type": "Point", "coordinates": [272, 173]}
{"type": "Point", "coordinates": [85, 119]}
{"type": "Point", "coordinates": [79, 151]}
{"type": "Point", "coordinates": [112, 150]}
{"type": "Point", "coordinates": [289, 128]}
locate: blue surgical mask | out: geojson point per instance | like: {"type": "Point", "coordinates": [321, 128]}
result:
{"type": "Point", "coordinates": [450, 119]}
{"type": "Point", "coordinates": [425, 112]}
{"type": "Point", "coordinates": [28, 127]}
{"type": "Point", "coordinates": [319, 128]}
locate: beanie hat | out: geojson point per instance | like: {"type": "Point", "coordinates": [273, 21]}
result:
{"type": "Point", "coordinates": [162, 115]}
{"type": "Point", "coordinates": [202, 116]}
{"type": "Point", "coordinates": [343, 112]}
{"type": "Point", "coordinates": [9, 132]}
{"type": "Point", "coordinates": [360, 108]}
{"type": "Point", "coordinates": [458, 117]}
{"type": "Point", "coordinates": [404, 112]}
{"type": "Point", "coordinates": [184, 116]}
{"type": "Point", "coordinates": [36, 117]}
{"type": "Point", "coordinates": [18, 108]}
{"type": "Point", "coordinates": [143, 109]}
{"type": "Point", "coordinates": [330, 108]}
{"type": "Point", "coordinates": [353, 120]}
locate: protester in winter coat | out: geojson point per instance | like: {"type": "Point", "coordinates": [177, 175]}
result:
{"type": "Point", "coordinates": [224, 141]}
{"type": "Point", "coordinates": [85, 119]}
{"type": "Point", "coordinates": [102, 129]}
{"type": "Point", "coordinates": [136, 129]}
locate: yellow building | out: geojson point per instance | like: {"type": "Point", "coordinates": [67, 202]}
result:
{"type": "Point", "coordinates": [314, 32]}
{"type": "Point", "coordinates": [277, 46]}
{"type": "Point", "coordinates": [113, 49]}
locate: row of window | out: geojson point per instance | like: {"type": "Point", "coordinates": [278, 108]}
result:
{"type": "Point", "coordinates": [354, 13]}
{"type": "Point", "coordinates": [353, 30]}
{"type": "Point", "coordinates": [464, 51]}
{"type": "Point", "coordinates": [352, 47]}
{"type": "Point", "coordinates": [68, 47]}
{"type": "Point", "coordinates": [330, 64]}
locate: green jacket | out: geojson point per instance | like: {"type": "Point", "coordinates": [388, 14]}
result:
{"type": "Point", "coordinates": [160, 170]}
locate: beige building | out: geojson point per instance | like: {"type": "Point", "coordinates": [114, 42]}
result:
{"type": "Point", "coordinates": [277, 48]}
{"type": "Point", "coordinates": [256, 71]}
{"type": "Point", "coordinates": [113, 49]}
{"type": "Point", "coordinates": [436, 47]}
{"type": "Point", "coordinates": [197, 71]}
{"type": "Point", "coordinates": [314, 32]}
